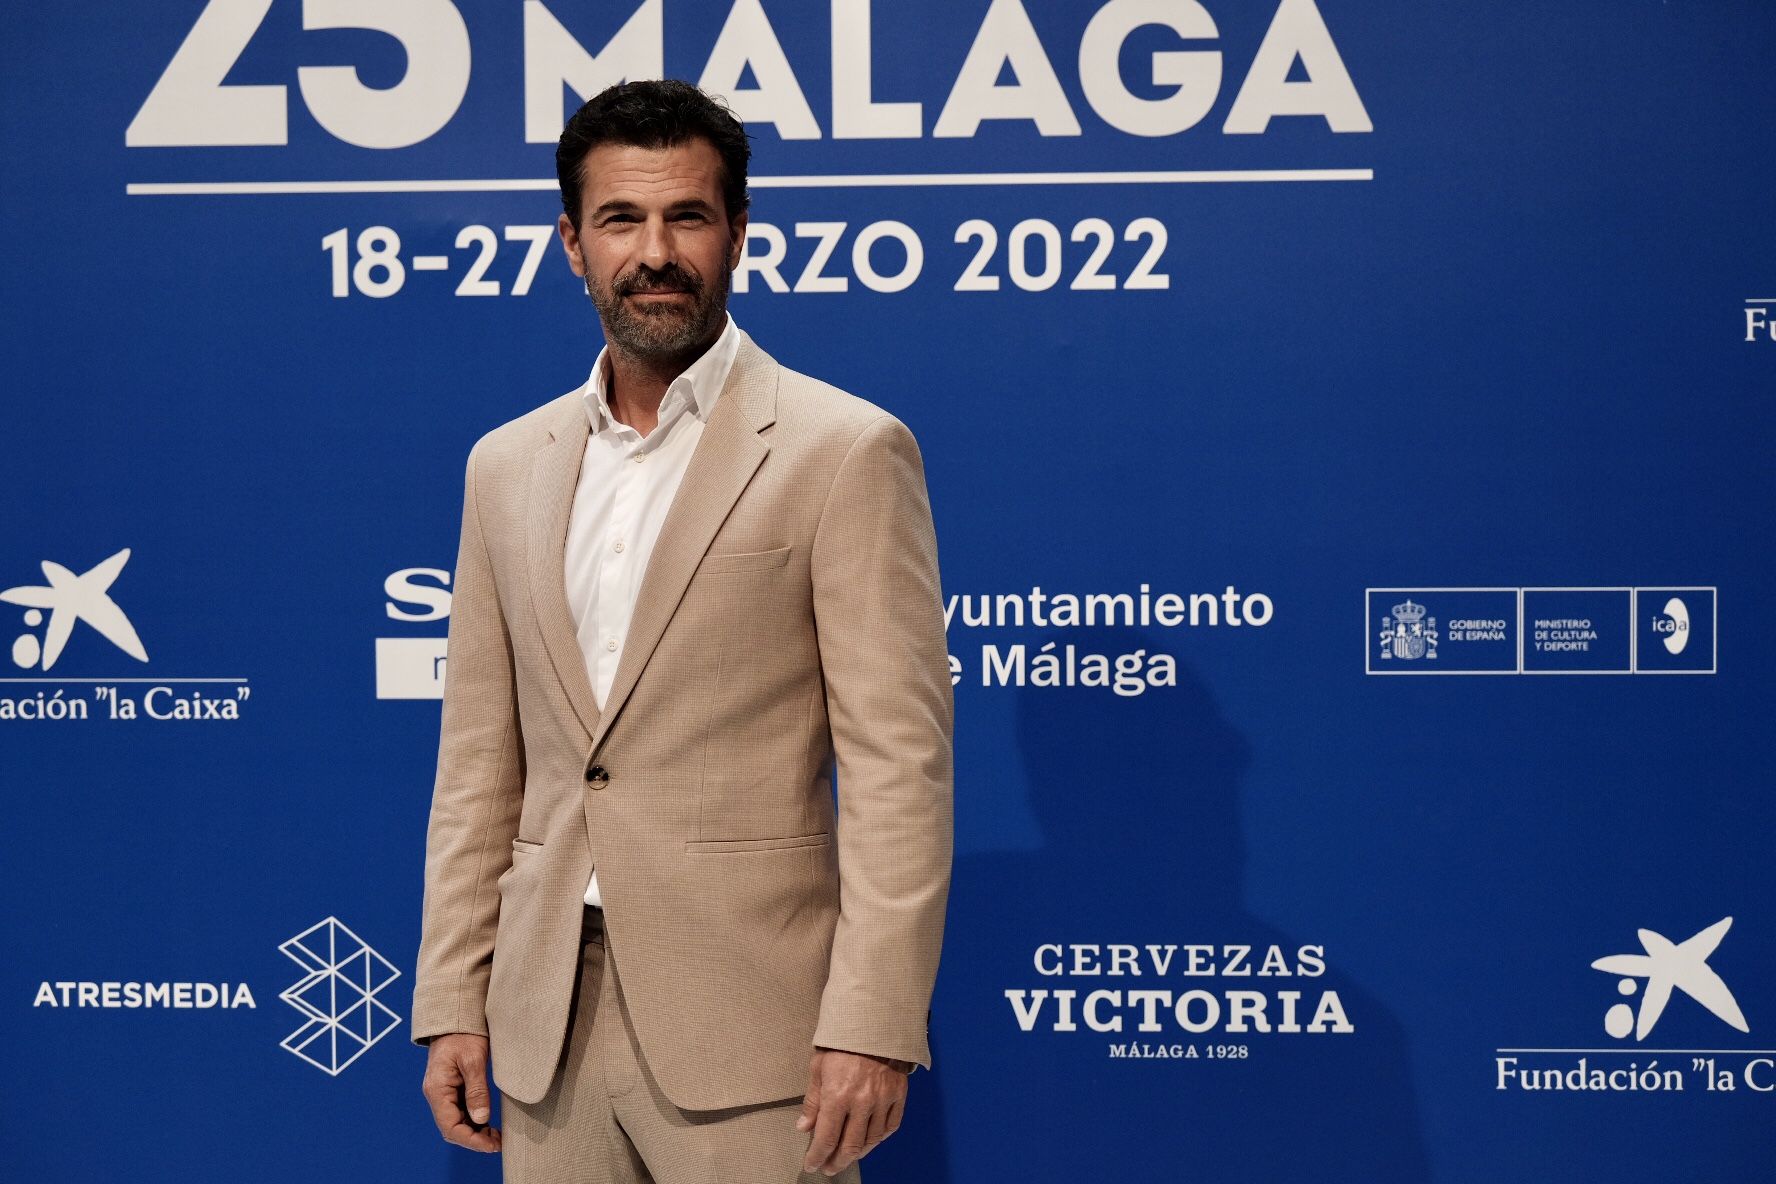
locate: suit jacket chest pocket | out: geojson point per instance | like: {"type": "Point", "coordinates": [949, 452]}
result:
{"type": "Point", "coordinates": [744, 595]}
{"type": "Point", "coordinates": [725, 562]}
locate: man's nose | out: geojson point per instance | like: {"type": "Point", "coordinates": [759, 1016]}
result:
{"type": "Point", "coordinates": [656, 243]}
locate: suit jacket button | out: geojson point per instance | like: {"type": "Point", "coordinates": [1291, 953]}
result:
{"type": "Point", "coordinates": [596, 777]}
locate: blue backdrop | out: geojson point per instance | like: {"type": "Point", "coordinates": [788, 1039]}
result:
{"type": "Point", "coordinates": [1322, 343]}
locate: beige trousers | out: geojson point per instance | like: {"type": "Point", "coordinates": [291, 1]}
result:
{"type": "Point", "coordinates": [605, 1121]}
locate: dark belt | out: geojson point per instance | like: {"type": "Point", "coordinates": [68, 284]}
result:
{"type": "Point", "coordinates": [592, 924]}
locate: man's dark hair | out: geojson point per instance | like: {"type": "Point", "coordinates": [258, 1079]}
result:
{"type": "Point", "coordinates": [657, 113]}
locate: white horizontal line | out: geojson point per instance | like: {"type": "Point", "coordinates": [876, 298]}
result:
{"type": "Point", "coordinates": [1760, 300]}
{"type": "Point", "coordinates": [1175, 177]}
{"type": "Point", "coordinates": [831, 181]}
{"type": "Point", "coordinates": [1750, 1052]}
{"type": "Point", "coordinates": [207, 188]}
{"type": "Point", "coordinates": [53, 681]}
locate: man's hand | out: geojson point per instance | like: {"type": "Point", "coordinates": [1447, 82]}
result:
{"type": "Point", "coordinates": [854, 1101]}
{"type": "Point", "coordinates": [455, 1085]}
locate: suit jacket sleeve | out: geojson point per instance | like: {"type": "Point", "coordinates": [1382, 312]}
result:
{"type": "Point", "coordinates": [879, 619]}
{"type": "Point", "coordinates": [475, 798]}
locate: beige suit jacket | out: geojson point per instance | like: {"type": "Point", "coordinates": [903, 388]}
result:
{"type": "Point", "coordinates": [789, 621]}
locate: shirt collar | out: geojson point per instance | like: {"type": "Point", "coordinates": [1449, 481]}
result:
{"type": "Point", "coordinates": [702, 380]}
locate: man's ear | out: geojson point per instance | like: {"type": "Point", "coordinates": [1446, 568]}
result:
{"type": "Point", "coordinates": [570, 242]}
{"type": "Point", "coordinates": [737, 251]}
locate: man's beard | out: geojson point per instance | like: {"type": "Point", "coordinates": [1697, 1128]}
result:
{"type": "Point", "coordinates": [659, 329]}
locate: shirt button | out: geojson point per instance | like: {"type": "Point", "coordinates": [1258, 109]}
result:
{"type": "Point", "coordinates": [640, 456]}
{"type": "Point", "coordinates": [611, 644]}
{"type": "Point", "coordinates": [619, 545]}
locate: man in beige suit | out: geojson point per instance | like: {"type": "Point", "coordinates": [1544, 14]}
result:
{"type": "Point", "coordinates": [640, 900]}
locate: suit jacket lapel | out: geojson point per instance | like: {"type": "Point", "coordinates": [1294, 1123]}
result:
{"type": "Point", "coordinates": [554, 475]}
{"type": "Point", "coordinates": [729, 451]}
{"type": "Point", "coordinates": [727, 454]}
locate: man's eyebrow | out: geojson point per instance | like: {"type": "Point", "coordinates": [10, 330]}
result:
{"type": "Point", "coordinates": [625, 206]}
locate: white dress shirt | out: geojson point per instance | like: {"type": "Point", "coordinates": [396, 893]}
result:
{"type": "Point", "coordinates": [626, 485]}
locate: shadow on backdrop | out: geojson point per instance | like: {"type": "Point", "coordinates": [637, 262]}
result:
{"type": "Point", "coordinates": [1137, 798]}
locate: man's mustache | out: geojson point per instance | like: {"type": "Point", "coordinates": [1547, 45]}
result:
{"type": "Point", "coordinates": [677, 284]}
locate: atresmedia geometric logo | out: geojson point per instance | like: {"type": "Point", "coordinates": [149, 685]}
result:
{"type": "Point", "coordinates": [338, 995]}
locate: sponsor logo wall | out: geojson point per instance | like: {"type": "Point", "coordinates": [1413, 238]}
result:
{"type": "Point", "coordinates": [1212, 320]}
